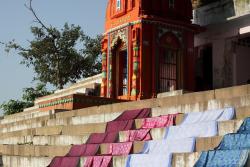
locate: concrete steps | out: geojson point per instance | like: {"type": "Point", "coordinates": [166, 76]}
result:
{"type": "Point", "coordinates": [78, 134]}
{"type": "Point", "coordinates": [32, 139]}
{"type": "Point", "coordinates": [241, 103]}
{"type": "Point", "coordinates": [179, 160]}
{"type": "Point", "coordinates": [202, 144]}
{"type": "Point", "coordinates": [25, 161]}
{"type": "Point", "coordinates": [191, 99]}
{"type": "Point", "coordinates": [37, 149]}
{"type": "Point", "coordinates": [241, 112]}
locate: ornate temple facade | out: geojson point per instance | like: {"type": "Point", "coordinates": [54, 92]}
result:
{"type": "Point", "coordinates": [148, 48]}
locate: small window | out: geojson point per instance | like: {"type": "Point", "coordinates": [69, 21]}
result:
{"type": "Point", "coordinates": [118, 4]}
{"type": "Point", "coordinates": [171, 4]}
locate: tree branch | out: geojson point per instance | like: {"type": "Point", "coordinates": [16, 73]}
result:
{"type": "Point", "coordinates": [30, 8]}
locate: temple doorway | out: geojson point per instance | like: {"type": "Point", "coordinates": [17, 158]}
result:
{"type": "Point", "coordinates": [170, 64]}
{"type": "Point", "coordinates": [168, 70]}
{"type": "Point", "coordinates": [120, 70]}
{"type": "Point", "coordinates": [204, 68]}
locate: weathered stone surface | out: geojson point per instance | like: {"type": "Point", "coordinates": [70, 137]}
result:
{"type": "Point", "coordinates": [34, 151]}
{"type": "Point", "coordinates": [119, 161]}
{"type": "Point", "coordinates": [231, 92]}
{"type": "Point", "coordinates": [13, 161]}
{"type": "Point", "coordinates": [185, 159]}
{"type": "Point", "coordinates": [229, 126]}
{"type": "Point", "coordinates": [84, 129]}
{"type": "Point", "coordinates": [208, 143]}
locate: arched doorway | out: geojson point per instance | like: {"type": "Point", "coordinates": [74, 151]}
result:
{"type": "Point", "coordinates": [120, 69]}
{"type": "Point", "coordinates": [170, 64]}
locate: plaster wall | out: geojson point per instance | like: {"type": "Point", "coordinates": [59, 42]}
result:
{"type": "Point", "coordinates": [242, 64]}
{"type": "Point", "coordinates": [221, 35]}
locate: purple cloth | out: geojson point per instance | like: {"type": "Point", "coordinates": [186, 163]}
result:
{"type": "Point", "coordinates": [134, 114]}
{"type": "Point", "coordinates": [98, 161]}
{"type": "Point", "coordinates": [116, 126]}
{"type": "Point", "coordinates": [98, 138]}
{"type": "Point", "coordinates": [83, 150]}
{"type": "Point", "coordinates": [64, 162]}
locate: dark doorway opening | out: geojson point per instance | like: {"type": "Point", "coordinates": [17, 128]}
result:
{"type": "Point", "coordinates": [204, 68]}
{"type": "Point", "coordinates": [120, 71]}
{"type": "Point", "coordinates": [168, 70]}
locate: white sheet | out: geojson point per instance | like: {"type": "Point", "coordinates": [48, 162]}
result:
{"type": "Point", "coordinates": [211, 115]}
{"type": "Point", "coordinates": [169, 146]}
{"type": "Point", "coordinates": [205, 129]}
{"type": "Point", "coordinates": [149, 160]}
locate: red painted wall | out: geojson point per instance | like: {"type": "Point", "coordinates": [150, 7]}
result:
{"type": "Point", "coordinates": [145, 19]}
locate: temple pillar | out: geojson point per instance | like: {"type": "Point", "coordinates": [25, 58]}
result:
{"type": "Point", "coordinates": [110, 85]}
{"type": "Point", "coordinates": [135, 76]}
{"type": "Point", "coordinates": [104, 75]}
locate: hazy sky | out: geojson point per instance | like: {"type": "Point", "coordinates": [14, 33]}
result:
{"type": "Point", "coordinates": [15, 22]}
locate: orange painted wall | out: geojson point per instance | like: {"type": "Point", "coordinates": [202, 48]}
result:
{"type": "Point", "coordinates": [144, 21]}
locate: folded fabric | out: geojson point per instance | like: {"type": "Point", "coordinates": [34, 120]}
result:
{"type": "Point", "coordinates": [134, 114]}
{"type": "Point", "coordinates": [235, 141]}
{"type": "Point", "coordinates": [98, 138]}
{"type": "Point", "coordinates": [83, 150]}
{"type": "Point", "coordinates": [223, 158]}
{"type": "Point", "coordinates": [98, 161]}
{"type": "Point", "coordinates": [159, 122]}
{"type": "Point", "coordinates": [65, 162]}
{"type": "Point", "coordinates": [169, 146]}
{"type": "Point", "coordinates": [137, 135]}
{"type": "Point", "coordinates": [211, 115]}
{"type": "Point", "coordinates": [245, 127]}
{"type": "Point", "coordinates": [116, 126]}
{"type": "Point", "coordinates": [120, 148]}
{"type": "Point", "coordinates": [204, 129]}
{"type": "Point", "coordinates": [149, 160]}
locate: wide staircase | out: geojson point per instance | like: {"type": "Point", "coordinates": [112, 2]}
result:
{"type": "Point", "coordinates": [37, 139]}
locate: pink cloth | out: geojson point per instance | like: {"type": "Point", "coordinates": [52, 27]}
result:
{"type": "Point", "coordinates": [65, 162]}
{"type": "Point", "coordinates": [120, 148]}
{"type": "Point", "coordinates": [134, 114]}
{"type": "Point", "coordinates": [116, 126]}
{"type": "Point", "coordinates": [98, 138]}
{"type": "Point", "coordinates": [83, 150]}
{"type": "Point", "coordinates": [98, 161]}
{"type": "Point", "coordinates": [159, 122]}
{"type": "Point", "coordinates": [138, 135]}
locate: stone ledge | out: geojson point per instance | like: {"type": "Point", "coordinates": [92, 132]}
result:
{"type": "Point", "coordinates": [202, 144]}
{"type": "Point", "coordinates": [231, 91]}
{"type": "Point", "coordinates": [242, 104]}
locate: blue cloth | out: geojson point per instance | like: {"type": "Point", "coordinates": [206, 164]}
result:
{"type": "Point", "coordinates": [245, 127]}
{"type": "Point", "coordinates": [235, 141]}
{"type": "Point", "coordinates": [223, 158]}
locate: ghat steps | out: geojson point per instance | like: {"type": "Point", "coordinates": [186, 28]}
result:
{"type": "Point", "coordinates": [32, 138]}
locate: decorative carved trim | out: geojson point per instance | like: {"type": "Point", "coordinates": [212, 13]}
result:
{"type": "Point", "coordinates": [163, 30]}
{"type": "Point", "coordinates": [119, 34]}
{"type": "Point", "coordinates": [148, 22]}
{"type": "Point", "coordinates": [75, 100]}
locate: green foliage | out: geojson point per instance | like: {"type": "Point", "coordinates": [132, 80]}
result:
{"type": "Point", "coordinates": [13, 106]}
{"type": "Point", "coordinates": [30, 94]}
{"type": "Point", "coordinates": [60, 56]}
{"type": "Point", "coordinates": [28, 98]}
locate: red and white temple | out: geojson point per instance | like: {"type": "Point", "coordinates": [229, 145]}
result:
{"type": "Point", "coordinates": [148, 48]}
